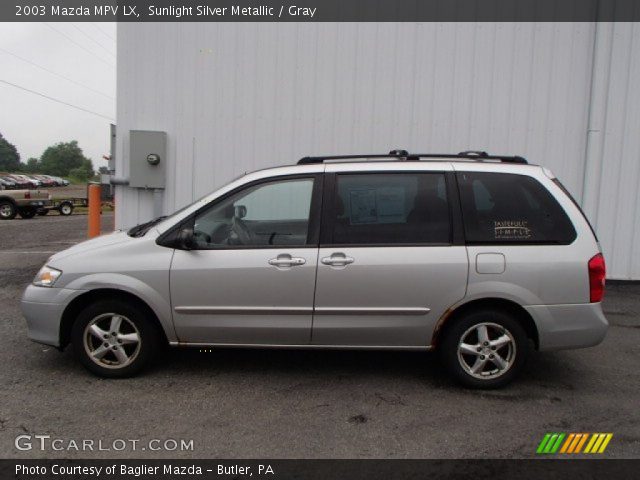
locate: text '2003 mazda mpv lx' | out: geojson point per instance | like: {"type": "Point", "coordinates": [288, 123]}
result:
{"type": "Point", "coordinates": [480, 257]}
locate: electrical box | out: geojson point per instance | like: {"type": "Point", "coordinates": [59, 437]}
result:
{"type": "Point", "coordinates": [148, 159]}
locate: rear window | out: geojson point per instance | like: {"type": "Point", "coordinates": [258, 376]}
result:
{"type": "Point", "coordinates": [509, 208]}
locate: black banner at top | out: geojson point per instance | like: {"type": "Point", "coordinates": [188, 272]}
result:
{"type": "Point", "coordinates": [320, 10]}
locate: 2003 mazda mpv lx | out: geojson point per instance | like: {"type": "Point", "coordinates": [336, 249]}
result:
{"type": "Point", "coordinates": [477, 256]}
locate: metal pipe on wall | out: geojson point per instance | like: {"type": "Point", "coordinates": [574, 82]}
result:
{"type": "Point", "coordinates": [597, 118]}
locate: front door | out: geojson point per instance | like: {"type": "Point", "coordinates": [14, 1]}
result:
{"type": "Point", "coordinates": [389, 265]}
{"type": "Point", "coordinates": [251, 278]}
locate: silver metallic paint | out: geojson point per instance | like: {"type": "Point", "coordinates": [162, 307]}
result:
{"type": "Point", "coordinates": [549, 281]}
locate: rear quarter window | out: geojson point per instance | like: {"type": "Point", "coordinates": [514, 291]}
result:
{"type": "Point", "coordinates": [510, 208]}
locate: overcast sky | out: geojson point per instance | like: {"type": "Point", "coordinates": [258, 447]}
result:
{"type": "Point", "coordinates": [84, 53]}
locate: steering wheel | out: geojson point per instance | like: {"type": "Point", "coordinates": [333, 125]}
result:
{"type": "Point", "coordinates": [242, 233]}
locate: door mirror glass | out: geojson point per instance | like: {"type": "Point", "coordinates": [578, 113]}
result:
{"type": "Point", "coordinates": [186, 239]}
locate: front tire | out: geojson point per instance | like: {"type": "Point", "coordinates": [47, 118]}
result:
{"type": "Point", "coordinates": [8, 210]}
{"type": "Point", "coordinates": [484, 349]}
{"type": "Point", "coordinates": [114, 339]}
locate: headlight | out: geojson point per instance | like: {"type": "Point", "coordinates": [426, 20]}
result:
{"type": "Point", "coordinates": [46, 277]}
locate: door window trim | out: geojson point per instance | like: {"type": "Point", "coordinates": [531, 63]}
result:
{"type": "Point", "coordinates": [456, 232]}
{"type": "Point", "coordinates": [168, 239]}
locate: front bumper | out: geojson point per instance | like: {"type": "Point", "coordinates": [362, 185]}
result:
{"type": "Point", "coordinates": [43, 308]}
{"type": "Point", "coordinates": [569, 326]}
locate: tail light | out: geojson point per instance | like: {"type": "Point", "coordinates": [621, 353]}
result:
{"type": "Point", "coordinates": [597, 272]}
{"type": "Point", "coordinates": [27, 194]}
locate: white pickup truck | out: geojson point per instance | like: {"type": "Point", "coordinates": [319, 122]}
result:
{"type": "Point", "coordinates": [25, 203]}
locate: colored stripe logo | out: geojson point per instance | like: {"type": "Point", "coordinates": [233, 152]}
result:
{"type": "Point", "coordinates": [574, 443]}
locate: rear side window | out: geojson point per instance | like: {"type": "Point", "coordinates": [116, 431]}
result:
{"type": "Point", "coordinates": [391, 208]}
{"type": "Point", "coordinates": [508, 208]}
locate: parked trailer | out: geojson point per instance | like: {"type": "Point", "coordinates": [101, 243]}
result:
{"type": "Point", "coordinates": [64, 206]}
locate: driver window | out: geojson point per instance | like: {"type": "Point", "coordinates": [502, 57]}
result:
{"type": "Point", "coordinates": [269, 214]}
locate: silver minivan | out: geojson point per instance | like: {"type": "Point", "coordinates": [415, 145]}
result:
{"type": "Point", "coordinates": [477, 256]}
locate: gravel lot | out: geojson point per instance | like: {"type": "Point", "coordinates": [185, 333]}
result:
{"type": "Point", "coordinates": [297, 404]}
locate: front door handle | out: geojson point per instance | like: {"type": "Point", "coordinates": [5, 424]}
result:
{"type": "Point", "coordinates": [337, 260]}
{"type": "Point", "coordinates": [286, 260]}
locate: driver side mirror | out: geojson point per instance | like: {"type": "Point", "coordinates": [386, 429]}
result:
{"type": "Point", "coordinates": [186, 239]}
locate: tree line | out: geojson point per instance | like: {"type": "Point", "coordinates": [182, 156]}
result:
{"type": "Point", "coordinates": [64, 159]}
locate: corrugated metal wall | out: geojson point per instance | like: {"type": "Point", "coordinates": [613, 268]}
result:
{"type": "Point", "coordinates": [238, 97]}
{"type": "Point", "coordinates": [612, 167]}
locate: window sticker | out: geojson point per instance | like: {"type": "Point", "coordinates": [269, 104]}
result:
{"type": "Point", "coordinates": [377, 205]}
{"type": "Point", "coordinates": [391, 203]}
{"type": "Point", "coordinates": [363, 206]}
{"type": "Point", "coordinates": [511, 229]}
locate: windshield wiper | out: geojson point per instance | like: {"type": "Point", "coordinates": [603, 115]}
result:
{"type": "Point", "coordinates": [141, 229]}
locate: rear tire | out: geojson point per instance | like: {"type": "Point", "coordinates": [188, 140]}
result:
{"type": "Point", "coordinates": [65, 208]}
{"type": "Point", "coordinates": [27, 212]}
{"type": "Point", "coordinates": [115, 339]}
{"type": "Point", "coordinates": [484, 349]}
{"type": "Point", "coordinates": [8, 210]}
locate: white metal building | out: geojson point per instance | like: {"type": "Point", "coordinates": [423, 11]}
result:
{"type": "Point", "coordinates": [235, 97]}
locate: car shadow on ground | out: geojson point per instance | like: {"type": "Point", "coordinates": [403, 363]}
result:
{"type": "Point", "coordinates": [546, 370]}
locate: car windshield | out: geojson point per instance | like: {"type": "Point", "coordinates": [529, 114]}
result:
{"type": "Point", "coordinates": [141, 229]}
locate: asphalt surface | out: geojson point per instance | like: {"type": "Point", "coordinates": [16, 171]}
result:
{"type": "Point", "coordinates": [301, 404]}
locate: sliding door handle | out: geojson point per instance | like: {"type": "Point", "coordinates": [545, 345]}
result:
{"type": "Point", "coordinates": [286, 260]}
{"type": "Point", "coordinates": [337, 260]}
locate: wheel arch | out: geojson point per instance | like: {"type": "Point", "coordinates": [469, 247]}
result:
{"type": "Point", "coordinates": [74, 308]}
{"type": "Point", "coordinates": [500, 304]}
{"type": "Point", "coordinates": [11, 200]}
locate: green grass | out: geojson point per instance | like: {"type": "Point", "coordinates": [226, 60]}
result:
{"type": "Point", "coordinates": [75, 181]}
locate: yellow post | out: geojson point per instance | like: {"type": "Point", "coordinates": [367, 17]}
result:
{"type": "Point", "coordinates": [94, 210]}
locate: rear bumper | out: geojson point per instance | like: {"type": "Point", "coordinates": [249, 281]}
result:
{"type": "Point", "coordinates": [569, 326]}
{"type": "Point", "coordinates": [43, 308]}
{"type": "Point", "coordinates": [35, 203]}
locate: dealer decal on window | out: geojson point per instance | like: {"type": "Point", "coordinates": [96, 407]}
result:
{"type": "Point", "coordinates": [511, 229]}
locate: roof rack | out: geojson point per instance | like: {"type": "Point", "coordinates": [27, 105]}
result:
{"type": "Point", "coordinates": [404, 155]}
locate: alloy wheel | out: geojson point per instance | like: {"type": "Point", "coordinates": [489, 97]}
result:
{"type": "Point", "coordinates": [112, 340]}
{"type": "Point", "coordinates": [486, 350]}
